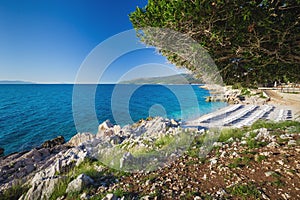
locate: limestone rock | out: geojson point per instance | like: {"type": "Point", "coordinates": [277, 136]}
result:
{"type": "Point", "coordinates": [85, 196]}
{"type": "Point", "coordinates": [106, 130]}
{"type": "Point", "coordinates": [42, 190]}
{"type": "Point", "coordinates": [263, 134]}
{"type": "Point", "coordinates": [43, 182]}
{"type": "Point", "coordinates": [78, 184]}
{"type": "Point", "coordinates": [110, 197]}
{"type": "Point", "coordinates": [114, 140]}
{"type": "Point", "coordinates": [52, 143]}
{"type": "Point", "coordinates": [80, 138]}
{"type": "Point", "coordinates": [273, 144]}
{"type": "Point", "coordinates": [217, 144]}
{"type": "Point", "coordinates": [174, 123]}
{"type": "Point", "coordinates": [269, 173]}
{"type": "Point", "coordinates": [292, 143]}
{"type": "Point", "coordinates": [127, 159]}
{"type": "Point", "coordinates": [105, 126]}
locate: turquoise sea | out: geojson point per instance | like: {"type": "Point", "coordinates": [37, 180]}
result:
{"type": "Point", "coordinates": [31, 114]}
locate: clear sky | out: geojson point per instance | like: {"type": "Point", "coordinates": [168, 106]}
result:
{"type": "Point", "coordinates": [47, 40]}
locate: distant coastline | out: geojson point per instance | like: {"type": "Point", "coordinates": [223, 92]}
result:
{"type": "Point", "coordinates": [15, 82]}
{"type": "Point", "coordinates": [178, 79]}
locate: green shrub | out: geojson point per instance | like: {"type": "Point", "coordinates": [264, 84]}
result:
{"type": "Point", "coordinates": [228, 133]}
{"type": "Point", "coordinates": [245, 191]}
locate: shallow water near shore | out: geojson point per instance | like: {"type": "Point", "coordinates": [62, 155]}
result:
{"type": "Point", "coordinates": [32, 114]}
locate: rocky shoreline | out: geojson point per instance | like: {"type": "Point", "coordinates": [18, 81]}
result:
{"type": "Point", "coordinates": [157, 159]}
{"type": "Point", "coordinates": [238, 96]}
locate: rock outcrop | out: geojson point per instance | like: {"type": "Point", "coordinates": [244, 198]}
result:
{"type": "Point", "coordinates": [22, 166]}
{"type": "Point", "coordinates": [1, 151]}
{"type": "Point", "coordinates": [43, 182]}
{"type": "Point", "coordinates": [78, 184]}
{"type": "Point", "coordinates": [54, 142]}
{"type": "Point", "coordinates": [80, 138]}
{"type": "Point", "coordinates": [257, 155]}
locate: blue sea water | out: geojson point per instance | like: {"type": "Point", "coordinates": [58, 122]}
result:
{"type": "Point", "coordinates": [32, 114]}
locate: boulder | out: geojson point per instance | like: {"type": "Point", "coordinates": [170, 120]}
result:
{"type": "Point", "coordinates": [106, 129]}
{"type": "Point", "coordinates": [292, 142]}
{"type": "Point", "coordinates": [114, 140]}
{"type": "Point", "coordinates": [174, 123]}
{"type": "Point", "coordinates": [263, 134]}
{"type": "Point", "coordinates": [80, 138]}
{"type": "Point", "coordinates": [42, 189]}
{"type": "Point", "coordinates": [105, 126]}
{"type": "Point", "coordinates": [54, 142]}
{"type": "Point", "coordinates": [78, 184]}
{"type": "Point", "coordinates": [85, 196]}
{"type": "Point", "coordinates": [44, 181]}
{"type": "Point", "coordinates": [273, 145]}
{"type": "Point", "coordinates": [110, 197]}
{"type": "Point", "coordinates": [126, 160]}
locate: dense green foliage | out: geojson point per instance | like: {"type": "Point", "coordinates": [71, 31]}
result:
{"type": "Point", "coordinates": [251, 42]}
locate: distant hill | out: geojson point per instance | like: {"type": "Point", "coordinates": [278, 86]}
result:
{"type": "Point", "coordinates": [174, 79]}
{"type": "Point", "coordinates": [16, 82]}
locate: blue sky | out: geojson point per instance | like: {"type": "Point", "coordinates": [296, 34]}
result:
{"type": "Point", "coordinates": [47, 40]}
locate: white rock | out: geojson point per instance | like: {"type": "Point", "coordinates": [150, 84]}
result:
{"type": "Point", "coordinates": [230, 140]}
{"type": "Point", "coordinates": [223, 154]}
{"type": "Point", "coordinates": [110, 197]}
{"type": "Point", "coordinates": [174, 123]}
{"type": "Point", "coordinates": [146, 197]}
{"type": "Point", "coordinates": [42, 189]}
{"type": "Point", "coordinates": [79, 183]}
{"type": "Point", "coordinates": [285, 137]}
{"type": "Point", "coordinates": [280, 162]}
{"type": "Point", "coordinates": [84, 196]}
{"type": "Point", "coordinates": [269, 173]}
{"type": "Point", "coordinates": [273, 144]}
{"type": "Point", "coordinates": [127, 159]}
{"type": "Point", "coordinates": [244, 142]}
{"type": "Point", "coordinates": [80, 138]}
{"type": "Point", "coordinates": [217, 144]}
{"type": "Point", "coordinates": [235, 154]}
{"type": "Point", "coordinates": [292, 142]}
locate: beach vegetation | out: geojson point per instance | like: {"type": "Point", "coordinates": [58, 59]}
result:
{"type": "Point", "coordinates": [245, 191]}
{"type": "Point", "coordinates": [245, 92]}
{"type": "Point", "coordinates": [239, 162]}
{"type": "Point", "coordinates": [164, 141]}
{"type": "Point", "coordinates": [283, 125]}
{"type": "Point", "coordinates": [252, 143]}
{"type": "Point", "coordinates": [260, 158]}
{"type": "Point", "coordinates": [60, 188]}
{"type": "Point", "coordinates": [237, 86]}
{"type": "Point", "coordinates": [90, 167]}
{"type": "Point", "coordinates": [228, 133]}
{"type": "Point", "coordinates": [277, 181]}
{"type": "Point", "coordinates": [14, 192]}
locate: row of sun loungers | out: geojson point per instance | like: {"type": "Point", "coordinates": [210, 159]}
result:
{"type": "Point", "coordinates": [220, 113]}
{"type": "Point", "coordinates": [255, 116]}
{"type": "Point", "coordinates": [284, 115]}
{"type": "Point", "coordinates": [241, 115]}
